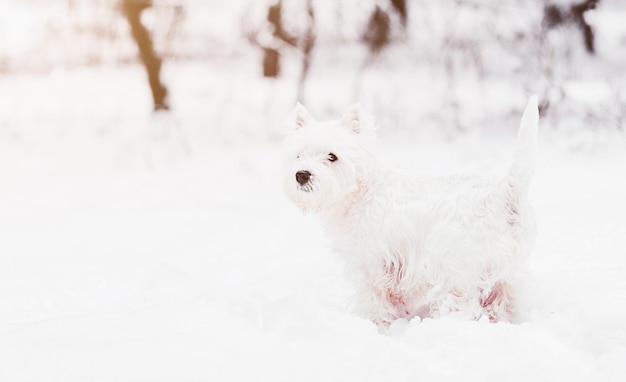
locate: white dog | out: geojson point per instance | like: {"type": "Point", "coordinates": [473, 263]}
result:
{"type": "Point", "coordinates": [414, 246]}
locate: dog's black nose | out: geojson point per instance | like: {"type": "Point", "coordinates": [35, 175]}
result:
{"type": "Point", "coordinates": [303, 176]}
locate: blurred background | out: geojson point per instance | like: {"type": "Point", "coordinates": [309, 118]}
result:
{"type": "Point", "coordinates": [198, 73]}
{"type": "Point", "coordinates": [143, 231]}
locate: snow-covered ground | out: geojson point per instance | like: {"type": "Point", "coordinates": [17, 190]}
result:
{"type": "Point", "coordinates": [160, 248]}
{"type": "Point", "coordinates": [141, 247]}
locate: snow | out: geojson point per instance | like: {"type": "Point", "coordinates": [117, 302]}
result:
{"type": "Point", "coordinates": [126, 256]}
{"type": "Point", "coordinates": [159, 247]}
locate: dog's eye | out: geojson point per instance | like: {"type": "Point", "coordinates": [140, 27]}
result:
{"type": "Point", "coordinates": [332, 157]}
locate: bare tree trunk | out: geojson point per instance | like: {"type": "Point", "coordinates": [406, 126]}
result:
{"type": "Point", "coordinates": [271, 54]}
{"type": "Point", "coordinates": [271, 63]}
{"type": "Point", "coordinates": [151, 61]}
{"type": "Point", "coordinates": [555, 15]}
{"type": "Point", "coordinates": [401, 8]}
{"type": "Point", "coordinates": [308, 42]}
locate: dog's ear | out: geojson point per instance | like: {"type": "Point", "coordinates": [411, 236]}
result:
{"type": "Point", "coordinates": [357, 119]}
{"type": "Point", "coordinates": [302, 116]}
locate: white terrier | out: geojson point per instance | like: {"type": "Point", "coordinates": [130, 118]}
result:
{"type": "Point", "coordinates": [414, 246]}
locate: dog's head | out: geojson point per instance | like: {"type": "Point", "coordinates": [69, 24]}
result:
{"type": "Point", "coordinates": [329, 162]}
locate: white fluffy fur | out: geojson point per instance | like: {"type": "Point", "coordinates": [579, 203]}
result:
{"type": "Point", "coordinates": [414, 246]}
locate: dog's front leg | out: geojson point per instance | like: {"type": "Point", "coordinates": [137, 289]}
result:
{"type": "Point", "coordinates": [381, 305]}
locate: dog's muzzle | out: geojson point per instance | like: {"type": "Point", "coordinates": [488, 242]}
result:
{"type": "Point", "coordinates": [303, 177]}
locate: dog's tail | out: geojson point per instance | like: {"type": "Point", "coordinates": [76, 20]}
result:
{"type": "Point", "coordinates": [522, 169]}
